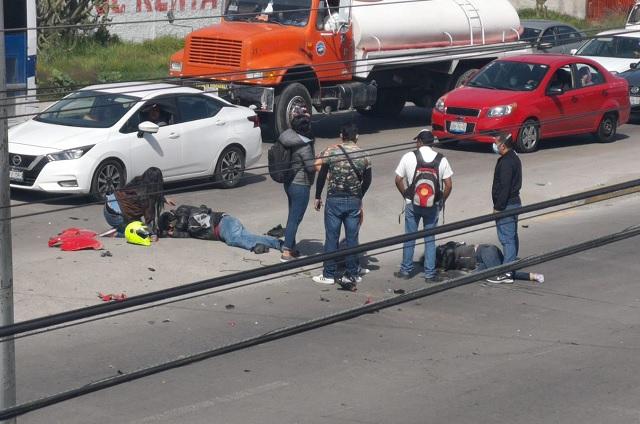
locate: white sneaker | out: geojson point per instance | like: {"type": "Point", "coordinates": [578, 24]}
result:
{"type": "Point", "coordinates": [363, 271]}
{"type": "Point", "coordinates": [538, 277]}
{"type": "Point", "coordinates": [321, 279]}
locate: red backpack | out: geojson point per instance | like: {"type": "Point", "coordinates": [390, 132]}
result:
{"type": "Point", "coordinates": [425, 190]}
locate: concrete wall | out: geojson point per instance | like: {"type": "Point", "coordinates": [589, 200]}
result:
{"type": "Point", "coordinates": [577, 8]}
{"type": "Point", "coordinates": [149, 10]}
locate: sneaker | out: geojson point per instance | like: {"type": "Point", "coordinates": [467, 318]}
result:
{"type": "Point", "coordinates": [286, 258]}
{"type": "Point", "coordinates": [321, 279]}
{"type": "Point", "coordinates": [501, 279]}
{"type": "Point", "coordinates": [277, 231]}
{"type": "Point", "coordinates": [537, 277]}
{"type": "Point", "coordinates": [402, 275]}
{"type": "Point", "coordinates": [349, 283]}
{"type": "Point", "coordinates": [259, 249]}
{"type": "Point", "coordinates": [433, 280]}
{"type": "Point", "coordinates": [363, 271]}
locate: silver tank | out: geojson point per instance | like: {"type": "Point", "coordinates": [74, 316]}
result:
{"type": "Point", "coordinates": [380, 25]}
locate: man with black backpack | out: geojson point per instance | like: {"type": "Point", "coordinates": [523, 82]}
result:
{"type": "Point", "coordinates": [349, 171]}
{"type": "Point", "coordinates": [423, 177]}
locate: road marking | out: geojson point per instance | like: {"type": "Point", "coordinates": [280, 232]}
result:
{"type": "Point", "coordinates": [171, 414]}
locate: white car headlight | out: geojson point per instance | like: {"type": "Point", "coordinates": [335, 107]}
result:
{"type": "Point", "coordinates": [500, 111]}
{"type": "Point", "coordinates": [440, 106]}
{"type": "Point", "coordinates": [175, 66]}
{"type": "Point", "coordinates": [255, 75]}
{"type": "Point", "coordinates": [69, 154]}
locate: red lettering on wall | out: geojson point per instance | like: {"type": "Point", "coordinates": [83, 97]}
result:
{"type": "Point", "coordinates": [147, 5]}
{"type": "Point", "coordinates": [161, 6]}
{"type": "Point", "coordinates": [193, 4]}
{"type": "Point", "coordinates": [182, 4]}
{"type": "Point", "coordinates": [117, 8]}
{"type": "Point", "coordinates": [214, 3]}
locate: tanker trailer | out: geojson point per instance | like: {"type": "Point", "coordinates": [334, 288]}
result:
{"type": "Point", "coordinates": [332, 55]}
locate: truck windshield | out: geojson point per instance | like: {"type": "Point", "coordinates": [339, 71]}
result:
{"type": "Point", "coordinates": [91, 109]}
{"type": "Point", "coordinates": [634, 16]}
{"type": "Point", "coordinates": [284, 12]}
{"type": "Point", "coordinates": [513, 76]}
{"type": "Point", "coordinates": [620, 47]}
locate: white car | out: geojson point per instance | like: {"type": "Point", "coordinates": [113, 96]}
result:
{"type": "Point", "coordinates": [615, 49]}
{"type": "Point", "coordinates": [100, 137]}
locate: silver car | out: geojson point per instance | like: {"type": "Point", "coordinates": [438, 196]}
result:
{"type": "Point", "coordinates": [551, 36]}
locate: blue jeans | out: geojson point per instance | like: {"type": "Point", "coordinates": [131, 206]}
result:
{"type": "Point", "coordinates": [298, 199]}
{"type": "Point", "coordinates": [339, 211]}
{"type": "Point", "coordinates": [412, 216]}
{"type": "Point", "coordinates": [234, 234]}
{"type": "Point", "coordinates": [508, 234]}
{"type": "Point", "coordinates": [115, 221]}
{"type": "Point", "coordinates": [489, 256]}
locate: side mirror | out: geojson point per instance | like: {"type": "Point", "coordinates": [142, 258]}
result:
{"type": "Point", "coordinates": [147, 127]}
{"type": "Point", "coordinates": [544, 45]}
{"type": "Point", "coordinates": [554, 91]}
{"type": "Point", "coordinates": [633, 65]}
{"type": "Point", "coordinates": [573, 52]}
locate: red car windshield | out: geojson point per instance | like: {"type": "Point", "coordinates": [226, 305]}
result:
{"type": "Point", "coordinates": [512, 76]}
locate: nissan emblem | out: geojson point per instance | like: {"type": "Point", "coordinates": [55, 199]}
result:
{"type": "Point", "coordinates": [16, 160]}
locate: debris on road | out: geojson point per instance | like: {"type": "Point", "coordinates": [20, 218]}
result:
{"type": "Point", "coordinates": [151, 269]}
{"type": "Point", "coordinates": [105, 254]}
{"type": "Point", "coordinates": [73, 239]}
{"type": "Point", "coordinates": [230, 306]}
{"type": "Point", "coordinates": [324, 299]}
{"type": "Point", "coordinates": [398, 291]}
{"type": "Point", "coordinates": [110, 297]}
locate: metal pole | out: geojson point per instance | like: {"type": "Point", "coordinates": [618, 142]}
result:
{"type": "Point", "coordinates": [7, 347]}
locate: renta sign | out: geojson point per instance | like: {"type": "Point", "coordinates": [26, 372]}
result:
{"type": "Point", "coordinates": [149, 6]}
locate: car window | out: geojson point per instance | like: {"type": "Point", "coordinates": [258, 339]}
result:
{"type": "Point", "coordinates": [562, 78]}
{"type": "Point", "coordinates": [161, 111]}
{"type": "Point", "coordinates": [196, 107]}
{"type": "Point", "coordinates": [619, 47]}
{"type": "Point", "coordinates": [530, 34]}
{"type": "Point", "coordinates": [549, 36]}
{"type": "Point", "coordinates": [588, 75]}
{"type": "Point", "coordinates": [634, 16]}
{"type": "Point", "coordinates": [507, 75]}
{"type": "Point", "coordinates": [91, 109]}
{"type": "Point", "coordinates": [568, 35]}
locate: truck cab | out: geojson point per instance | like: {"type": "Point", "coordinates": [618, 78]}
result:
{"type": "Point", "coordinates": [633, 20]}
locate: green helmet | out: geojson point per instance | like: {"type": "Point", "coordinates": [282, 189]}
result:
{"type": "Point", "coordinates": [138, 233]}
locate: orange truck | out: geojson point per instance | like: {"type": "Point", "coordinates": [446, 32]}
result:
{"type": "Point", "coordinates": [369, 55]}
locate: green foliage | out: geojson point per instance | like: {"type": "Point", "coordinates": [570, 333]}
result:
{"type": "Point", "coordinates": [75, 18]}
{"type": "Point", "coordinates": [611, 22]}
{"type": "Point", "coordinates": [88, 61]}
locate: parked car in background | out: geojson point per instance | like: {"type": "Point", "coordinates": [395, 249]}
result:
{"type": "Point", "coordinates": [551, 36]}
{"type": "Point", "coordinates": [534, 97]}
{"type": "Point", "coordinates": [615, 49]}
{"type": "Point", "coordinates": [98, 138]}
{"type": "Point", "coordinates": [632, 75]}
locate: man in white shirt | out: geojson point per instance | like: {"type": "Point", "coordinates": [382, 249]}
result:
{"type": "Point", "coordinates": [425, 208]}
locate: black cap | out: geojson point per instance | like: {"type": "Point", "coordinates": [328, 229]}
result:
{"type": "Point", "coordinates": [425, 136]}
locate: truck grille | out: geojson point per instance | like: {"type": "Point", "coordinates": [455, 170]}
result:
{"type": "Point", "coordinates": [211, 51]}
{"type": "Point", "coordinates": [462, 111]}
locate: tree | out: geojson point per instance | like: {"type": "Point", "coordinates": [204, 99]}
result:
{"type": "Point", "coordinates": [77, 18]}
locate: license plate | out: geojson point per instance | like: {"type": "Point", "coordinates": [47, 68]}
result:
{"type": "Point", "coordinates": [458, 127]}
{"type": "Point", "coordinates": [15, 175]}
{"type": "Point", "coordinates": [635, 100]}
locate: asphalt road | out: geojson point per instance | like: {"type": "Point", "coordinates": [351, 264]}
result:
{"type": "Point", "coordinates": [564, 351]}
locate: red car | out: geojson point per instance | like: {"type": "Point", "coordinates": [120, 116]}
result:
{"type": "Point", "coordinates": [534, 97]}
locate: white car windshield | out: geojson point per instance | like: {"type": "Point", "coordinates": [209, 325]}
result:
{"type": "Point", "coordinates": [285, 12]}
{"type": "Point", "coordinates": [513, 76]}
{"type": "Point", "coordinates": [91, 109]}
{"type": "Point", "coordinates": [619, 47]}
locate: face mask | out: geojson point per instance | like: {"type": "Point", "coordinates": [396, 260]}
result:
{"type": "Point", "coordinates": [494, 146]}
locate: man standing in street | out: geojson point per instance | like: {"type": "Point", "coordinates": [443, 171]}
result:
{"type": "Point", "coordinates": [423, 178]}
{"type": "Point", "coordinates": [507, 181]}
{"type": "Point", "coordinates": [349, 171]}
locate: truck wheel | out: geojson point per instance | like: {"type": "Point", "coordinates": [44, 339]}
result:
{"type": "Point", "coordinates": [292, 96]}
{"type": "Point", "coordinates": [230, 167]}
{"type": "Point", "coordinates": [109, 176]}
{"type": "Point", "coordinates": [607, 128]}
{"type": "Point", "coordinates": [528, 137]}
{"type": "Point", "coordinates": [389, 103]}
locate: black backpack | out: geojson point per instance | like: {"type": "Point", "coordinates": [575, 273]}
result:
{"type": "Point", "coordinates": [425, 190]}
{"type": "Point", "coordinates": [279, 159]}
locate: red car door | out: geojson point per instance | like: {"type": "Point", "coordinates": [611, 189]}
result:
{"type": "Point", "coordinates": [562, 112]}
{"type": "Point", "coordinates": [593, 90]}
